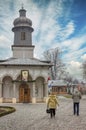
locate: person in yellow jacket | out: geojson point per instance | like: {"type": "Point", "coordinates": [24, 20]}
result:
{"type": "Point", "coordinates": [52, 104]}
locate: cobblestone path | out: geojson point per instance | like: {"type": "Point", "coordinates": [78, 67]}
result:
{"type": "Point", "coordinates": [34, 117]}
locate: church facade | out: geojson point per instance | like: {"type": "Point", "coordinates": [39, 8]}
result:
{"type": "Point", "coordinates": [23, 77]}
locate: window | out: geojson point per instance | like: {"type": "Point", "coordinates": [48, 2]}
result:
{"type": "Point", "coordinates": [22, 35]}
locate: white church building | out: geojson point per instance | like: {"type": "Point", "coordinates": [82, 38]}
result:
{"type": "Point", "coordinates": [23, 77]}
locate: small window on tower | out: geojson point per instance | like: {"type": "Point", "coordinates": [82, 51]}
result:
{"type": "Point", "coordinates": [22, 35]}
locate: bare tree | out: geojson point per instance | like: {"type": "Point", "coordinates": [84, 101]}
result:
{"type": "Point", "coordinates": [54, 55]}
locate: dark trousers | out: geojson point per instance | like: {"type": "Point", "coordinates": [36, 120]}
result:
{"type": "Point", "coordinates": [76, 108]}
{"type": "Point", "coordinates": [52, 112]}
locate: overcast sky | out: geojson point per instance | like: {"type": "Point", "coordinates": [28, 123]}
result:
{"type": "Point", "coordinates": [56, 23]}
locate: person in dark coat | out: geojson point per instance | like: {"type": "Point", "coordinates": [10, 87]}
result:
{"type": "Point", "coordinates": [76, 101]}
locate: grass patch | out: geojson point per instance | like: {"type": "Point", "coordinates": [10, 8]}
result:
{"type": "Point", "coordinates": [68, 96]}
{"type": "Point", "coordinates": [4, 110]}
{"type": "Point", "coordinates": [65, 95]}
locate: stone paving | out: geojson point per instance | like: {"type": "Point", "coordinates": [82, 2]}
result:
{"type": "Point", "coordinates": [34, 117]}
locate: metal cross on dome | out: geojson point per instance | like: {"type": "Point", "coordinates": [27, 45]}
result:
{"type": "Point", "coordinates": [22, 6]}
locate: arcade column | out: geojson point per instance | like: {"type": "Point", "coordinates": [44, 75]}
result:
{"type": "Point", "coordinates": [14, 93]}
{"type": "Point", "coordinates": [34, 94]}
{"type": "Point", "coordinates": [46, 91]}
{"type": "Point", "coordinates": [1, 98]}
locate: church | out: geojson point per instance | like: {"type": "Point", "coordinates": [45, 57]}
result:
{"type": "Point", "coordinates": [23, 78]}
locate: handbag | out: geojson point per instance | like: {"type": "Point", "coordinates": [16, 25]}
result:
{"type": "Point", "coordinates": [47, 110]}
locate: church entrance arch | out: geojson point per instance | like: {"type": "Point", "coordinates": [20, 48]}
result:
{"type": "Point", "coordinates": [24, 89]}
{"type": "Point", "coordinates": [7, 89]}
{"type": "Point", "coordinates": [40, 89]}
{"type": "Point", "coordinates": [24, 93]}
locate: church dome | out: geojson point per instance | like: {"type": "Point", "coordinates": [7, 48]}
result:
{"type": "Point", "coordinates": [22, 20]}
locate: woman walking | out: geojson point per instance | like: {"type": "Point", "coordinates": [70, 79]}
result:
{"type": "Point", "coordinates": [52, 104]}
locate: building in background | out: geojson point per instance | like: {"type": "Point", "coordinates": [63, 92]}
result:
{"type": "Point", "coordinates": [57, 86]}
{"type": "Point", "coordinates": [23, 77]}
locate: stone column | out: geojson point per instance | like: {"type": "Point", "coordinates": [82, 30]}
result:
{"type": "Point", "coordinates": [34, 94]}
{"type": "Point", "coordinates": [14, 93]}
{"type": "Point", "coordinates": [1, 98]}
{"type": "Point", "coordinates": [46, 91]}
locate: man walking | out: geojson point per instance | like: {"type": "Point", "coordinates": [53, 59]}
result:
{"type": "Point", "coordinates": [76, 100]}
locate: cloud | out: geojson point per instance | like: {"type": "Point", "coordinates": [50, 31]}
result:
{"type": "Point", "coordinates": [4, 41]}
{"type": "Point", "coordinates": [71, 48]}
{"type": "Point", "coordinates": [74, 68]}
{"type": "Point", "coordinates": [83, 57]}
{"type": "Point", "coordinates": [48, 29]}
{"type": "Point", "coordinates": [75, 64]}
{"type": "Point", "coordinates": [66, 31]}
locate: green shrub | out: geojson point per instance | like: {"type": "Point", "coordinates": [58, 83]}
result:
{"type": "Point", "coordinates": [4, 110]}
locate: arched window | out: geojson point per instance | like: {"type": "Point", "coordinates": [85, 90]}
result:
{"type": "Point", "coordinates": [22, 35]}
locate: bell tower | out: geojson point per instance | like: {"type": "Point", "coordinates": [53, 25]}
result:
{"type": "Point", "coordinates": [22, 29]}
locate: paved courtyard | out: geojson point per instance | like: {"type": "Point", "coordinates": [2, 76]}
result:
{"type": "Point", "coordinates": [34, 117]}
